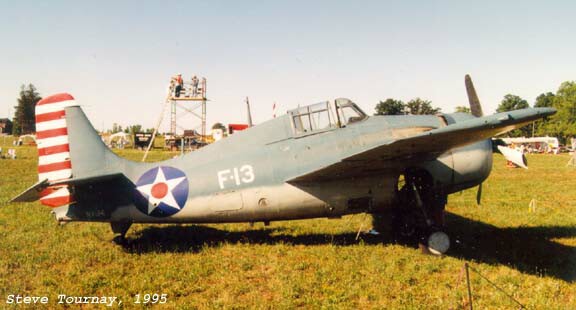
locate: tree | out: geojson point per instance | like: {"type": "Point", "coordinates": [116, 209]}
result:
{"type": "Point", "coordinates": [419, 106]}
{"type": "Point", "coordinates": [219, 126]}
{"type": "Point", "coordinates": [511, 103]}
{"type": "Point", "coordinates": [24, 118]}
{"type": "Point", "coordinates": [462, 109]}
{"type": "Point", "coordinates": [116, 128]}
{"type": "Point", "coordinates": [390, 107]}
{"type": "Point", "coordinates": [135, 128]}
{"type": "Point", "coordinates": [563, 124]}
{"type": "Point", "coordinates": [544, 100]}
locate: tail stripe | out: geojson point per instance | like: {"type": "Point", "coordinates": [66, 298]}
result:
{"type": "Point", "coordinates": [52, 133]}
{"type": "Point", "coordinates": [56, 149]}
{"type": "Point", "coordinates": [56, 175]}
{"type": "Point", "coordinates": [50, 116]}
{"type": "Point", "coordinates": [51, 142]}
{"type": "Point", "coordinates": [55, 167]}
{"type": "Point", "coordinates": [53, 147]}
{"type": "Point", "coordinates": [53, 158]}
{"type": "Point", "coordinates": [53, 107]}
{"type": "Point", "coordinates": [57, 198]}
{"type": "Point", "coordinates": [53, 124]}
{"type": "Point", "coordinates": [58, 98]}
{"type": "Point", "coordinates": [57, 202]}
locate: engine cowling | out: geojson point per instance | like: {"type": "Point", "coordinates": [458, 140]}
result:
{"type": "Point", "coordinates": [462, 167]}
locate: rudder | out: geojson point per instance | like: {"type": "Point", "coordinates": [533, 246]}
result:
{"type": "Point", "coordinates": [54, 162]}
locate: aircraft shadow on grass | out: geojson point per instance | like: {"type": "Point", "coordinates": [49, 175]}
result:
{"type": "Point", "coordinates": [530, 250]}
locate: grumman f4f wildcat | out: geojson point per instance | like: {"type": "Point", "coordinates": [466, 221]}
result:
{"type": "Point", "coordinates": [324, 160]}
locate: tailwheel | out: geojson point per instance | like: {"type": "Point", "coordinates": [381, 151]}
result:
{"type": "Point", "coordinates": [119, 240]}
{"type": "Point", "coordinates": [120, 229]}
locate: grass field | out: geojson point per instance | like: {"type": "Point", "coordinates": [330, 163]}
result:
{"type": "Point", "coordinates": [529, 254]}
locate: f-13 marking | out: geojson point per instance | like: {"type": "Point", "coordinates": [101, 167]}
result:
{"type": "Point", "coordinates": [242, 175]}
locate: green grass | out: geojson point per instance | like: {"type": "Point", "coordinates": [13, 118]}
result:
{"type": "Point", "coordinates": [306, 264]}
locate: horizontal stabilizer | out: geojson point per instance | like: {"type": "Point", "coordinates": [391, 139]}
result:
{"type": "Point", "coordinates": [94, 179]}
{"type": "Point", "coordinates": [33, 193]}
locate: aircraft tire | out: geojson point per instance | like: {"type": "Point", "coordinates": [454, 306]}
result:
{"type": "Point", "coordinates": [438, 242]}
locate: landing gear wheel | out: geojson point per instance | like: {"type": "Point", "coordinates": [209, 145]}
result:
{"type": "Point", "coordinates": [438, 243]}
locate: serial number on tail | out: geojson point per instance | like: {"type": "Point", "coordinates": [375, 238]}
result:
{"type": "Point", "coordinates": [236, 176]}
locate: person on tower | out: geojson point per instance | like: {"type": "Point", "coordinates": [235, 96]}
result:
{"type": "Point", "coordinates": [194, 86]}
{"type": "Point", "coordinates": [179, 85]}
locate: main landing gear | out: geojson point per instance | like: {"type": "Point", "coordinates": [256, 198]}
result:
{"type": "Point", "coordinates": [120, 229]}
{"type": "Point", "coordinates": [419, 212]}
{"type": "Point", "coordinates": [427, 203]}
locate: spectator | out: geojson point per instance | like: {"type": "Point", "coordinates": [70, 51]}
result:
{"type": "Point", "coordinates": [12, 153]}
{"type": "Point", "coordinates": [179, 85]}
{"type": "Point", "coordinates": [194, 86]}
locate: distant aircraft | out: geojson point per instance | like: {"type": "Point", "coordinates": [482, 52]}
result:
{"type": "Point", "coordinates": [324, 160]}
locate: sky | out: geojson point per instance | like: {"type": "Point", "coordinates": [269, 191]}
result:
{"type": "Point", "coordinates": [116, 57]}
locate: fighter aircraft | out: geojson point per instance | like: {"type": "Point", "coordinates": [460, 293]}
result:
{"type": "Point", "coordinates": [323, 160]}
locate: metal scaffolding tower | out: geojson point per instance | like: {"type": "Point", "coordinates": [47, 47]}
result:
{"type": "Point", "coordinates": [192, 98]}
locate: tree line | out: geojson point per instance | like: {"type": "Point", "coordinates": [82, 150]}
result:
{"type": "Point", "coordinates": [24, 121]}
{"type": "Point", "coordinates": [561, 125]}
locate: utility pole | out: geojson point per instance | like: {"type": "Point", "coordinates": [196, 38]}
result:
{"type": "Point", "coordinates": [249, 113]}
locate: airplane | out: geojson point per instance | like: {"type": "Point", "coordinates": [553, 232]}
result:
{"type": "Point", "coordinates": [323, 160]}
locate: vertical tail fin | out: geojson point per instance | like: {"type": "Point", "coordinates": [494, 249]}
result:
{"type": "Point", "coordinates": [54, 162]}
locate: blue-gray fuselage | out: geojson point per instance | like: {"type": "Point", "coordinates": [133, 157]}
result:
{"type": "Point", "coordinates": [253, 175]}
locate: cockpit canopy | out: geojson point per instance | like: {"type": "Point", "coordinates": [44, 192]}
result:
{"type": "Point", "coordinates": [325, 116]}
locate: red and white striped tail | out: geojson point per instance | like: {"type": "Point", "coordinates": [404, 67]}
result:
{"type": "Point", "coordinates": [53, 148]}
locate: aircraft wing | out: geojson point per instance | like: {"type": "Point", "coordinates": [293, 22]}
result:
{"type": "Point", "coordinates": [426, 145]}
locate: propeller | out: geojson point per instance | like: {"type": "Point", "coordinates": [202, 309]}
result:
{"type": "Point", "coordinates": [479, 194]}
{"type": "Point", "coordinates": [498, 145]}
{"type": "Point", "coordinates": [475, 106]}
{"type": "Point", "coordinates": [476, 110]}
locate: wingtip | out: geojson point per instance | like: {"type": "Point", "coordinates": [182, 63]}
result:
{"type": "Point", "coordinates": [547, 111]}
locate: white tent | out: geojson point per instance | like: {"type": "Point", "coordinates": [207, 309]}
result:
{"type": "Point", "coordinates": [119, 139]}
{"type": "Point", "coordinates": [547, 144]}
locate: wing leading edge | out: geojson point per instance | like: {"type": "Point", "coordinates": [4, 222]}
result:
{"type": "Point", "coordinates": [429, 144]}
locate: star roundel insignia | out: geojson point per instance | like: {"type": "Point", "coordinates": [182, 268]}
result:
{"type": "Point", "coordinates": [161, 191]}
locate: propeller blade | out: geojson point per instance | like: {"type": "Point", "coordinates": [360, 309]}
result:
{"type": "Point", "coordinates": [479, 194]}
{"type": "Point", "coordinates": [475, 106]}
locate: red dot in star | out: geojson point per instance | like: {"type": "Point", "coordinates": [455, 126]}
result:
{"type": "Point", "coordinates": [159, 190]}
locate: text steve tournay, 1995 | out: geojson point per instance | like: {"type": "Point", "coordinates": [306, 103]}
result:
{"type": "Point", "coordinates": [64, 299]}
